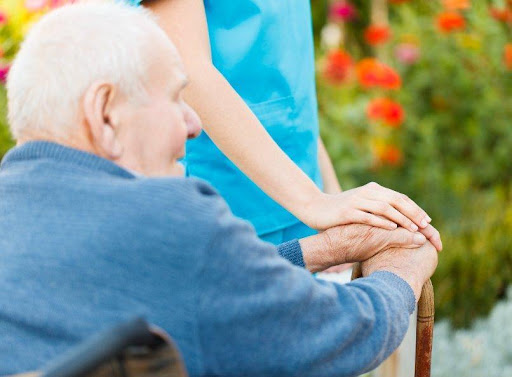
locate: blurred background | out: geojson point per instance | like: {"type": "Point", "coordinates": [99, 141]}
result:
{"type": "Point", "coordinates": [415, 95]}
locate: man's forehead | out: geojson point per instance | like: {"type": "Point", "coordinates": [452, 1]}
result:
{"type": "Point", "coordinates": [166, 61]}
{"type": "Point", "coordinates": [179, 75]}
{"type": "Point", "coordinates": [177, 65]}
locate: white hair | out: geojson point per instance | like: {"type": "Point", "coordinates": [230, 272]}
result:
{"type": "Point", "coordinates": [68, 50]}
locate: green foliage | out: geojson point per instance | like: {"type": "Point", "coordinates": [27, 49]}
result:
{"type": "Point", "coordinates": [456, 143]}
{"type": "Point", "coordinates": [5, 137]}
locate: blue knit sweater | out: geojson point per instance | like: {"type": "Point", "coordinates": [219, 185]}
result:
{"type": "Point", "coordinates": [85, 244]}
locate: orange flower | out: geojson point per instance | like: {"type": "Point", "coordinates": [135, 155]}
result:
{"type": "Point", "coordinates": [507, 56]}
{"type": "Point", "coordinates": [456, 4]}
{"type": "Point", "coordinates": [448, 22]}
{"type": "Point", "coordinates": [389, 155]}
{"type": "Point", "coordinates": [389, 112]}
{"type": "Point", "coordinates": [503, 15]}
{"type": "Point", "coordinates": [337, 66]}
{"type": "Point", "coordinates": [371, 73]}
{"type": "Point", "coordinates": [377, 34]}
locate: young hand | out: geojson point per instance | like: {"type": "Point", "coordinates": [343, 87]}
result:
{"type": "Point", "coordinates": [372, 205]}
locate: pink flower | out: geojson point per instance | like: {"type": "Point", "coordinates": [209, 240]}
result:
{"type": "Point", "coordinates": [342, 11]}
{"type": "Point", "coordinates": [407, 53]}
{"type": "Point", "coordinates": [3, 18]}
{"type": "Point", "coordinates": [59, 3]}
{"type": "Point", "coordinates": [4, 70]}
{"type": "Point", "coordinates": [35, 5]}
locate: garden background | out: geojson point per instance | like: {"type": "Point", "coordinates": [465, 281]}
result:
{"type": "Point", "coordinates": [415, 95]}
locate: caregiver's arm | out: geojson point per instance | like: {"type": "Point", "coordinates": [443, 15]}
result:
{"type": "Point", "coordinates": [238, 133]}
{"type": "Point", "coordinates": [329, 179]}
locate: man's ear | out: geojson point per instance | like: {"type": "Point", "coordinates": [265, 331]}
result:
{"type": "Point", "coordinates": [100, 125]}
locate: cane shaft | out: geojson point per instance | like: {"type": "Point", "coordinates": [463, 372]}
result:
{"type": "Point", "coordinates": [425, 331]}
{"type": "Point", "coordinates": [424, 326]}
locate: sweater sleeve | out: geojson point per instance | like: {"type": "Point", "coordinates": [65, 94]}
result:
{"type": "Point", "coordinates": [292, 252]}
{"type": "Point", "coordinates": [259, 315]}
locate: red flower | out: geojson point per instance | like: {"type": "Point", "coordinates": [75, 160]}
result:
{"type": "Point", "coordinates": [448, 22]}
{"type": "Point", "coordinates": [507, 56]}
{"type": "Point", "coordinates": [377, 34]}
{"type": "Point", "coordinates": [372, 73]}
{"type": "Point", "coordinates": [389, 155]}
{"type": "Point", "coordinates": [389, 112]}
{"type": "Point", "coordinates": [503, 15]}
{"type": "Point", "coordinates": [342, 11]}
{"type": "Point", "coordinates": [337, 66]}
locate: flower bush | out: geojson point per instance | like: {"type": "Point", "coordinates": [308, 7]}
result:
{"type": "Point", "coordinates": [428, 112]}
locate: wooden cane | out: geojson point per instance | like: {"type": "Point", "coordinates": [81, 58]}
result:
{"type": "Point", "coordinates": [424, 326]}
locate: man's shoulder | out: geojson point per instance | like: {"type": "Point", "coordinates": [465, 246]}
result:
{"type": "Point", "coordinates": [187, 191]}
{"type": "Point", "coordinates": [177, 198]}
{"type": "Point", "coordinates": [184, 212]}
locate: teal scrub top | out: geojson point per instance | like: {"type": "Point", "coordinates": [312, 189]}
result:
{"type": "Point", "coordinates": [264, 48]}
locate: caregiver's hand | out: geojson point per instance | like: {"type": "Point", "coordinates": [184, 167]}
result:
{"type": "Point", "coordinates": [371, 204]}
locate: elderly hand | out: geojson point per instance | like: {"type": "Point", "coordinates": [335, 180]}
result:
{"type": "Point", "coordinates": [371, 204]}
{"type": "Point", "coordinates": [354, 243]}
{"type": "Point", "coordinates": [415, 266]}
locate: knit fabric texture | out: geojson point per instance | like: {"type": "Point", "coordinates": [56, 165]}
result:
{"type": "Point", "coordinates": [86, 245]}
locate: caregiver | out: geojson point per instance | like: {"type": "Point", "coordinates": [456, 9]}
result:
{"type": "Point", "coordinates": [251, 69]}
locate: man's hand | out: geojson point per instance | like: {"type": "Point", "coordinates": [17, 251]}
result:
{"type": "Point", "coordinates": [372, 205]}
{"type": "Point", "coordinates": [415, 266]}
{"type": "Point", "coordinates": [354, 243]}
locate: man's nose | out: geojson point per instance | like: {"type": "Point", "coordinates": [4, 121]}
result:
{"type": "Point", "coordinates": [192, 121]}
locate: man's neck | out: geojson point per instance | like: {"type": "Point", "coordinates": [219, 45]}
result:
{"type": "Point", "coordinates": [71, 141]}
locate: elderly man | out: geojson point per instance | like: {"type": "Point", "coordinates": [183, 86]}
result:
{"type": "Point", "coordinates": [98, 225]}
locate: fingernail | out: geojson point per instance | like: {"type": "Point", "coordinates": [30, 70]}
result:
{"type": "Point", "coordinates": [414, 227]}
{"type": "Point", "coordinates": [428, 218]}
{"type": "Point", "coordinates": [419, 239]}
{"type": "Point", "coordinates": [424, 223]}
